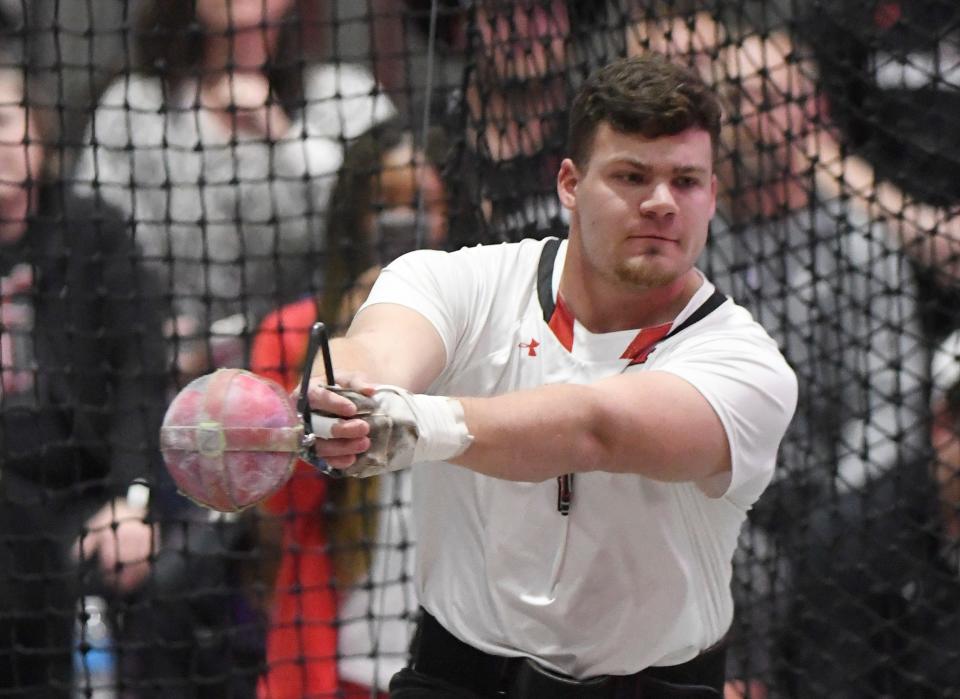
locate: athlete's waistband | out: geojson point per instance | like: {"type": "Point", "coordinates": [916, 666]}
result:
{"type": "Point", "coordinates": [439, 653]}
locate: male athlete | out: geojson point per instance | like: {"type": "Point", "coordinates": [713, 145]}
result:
{"type": "Point", "coordinates": [588, 420]}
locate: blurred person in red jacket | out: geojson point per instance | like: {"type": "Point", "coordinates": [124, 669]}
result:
{"type": "Point", "coordinates": [332, 581]}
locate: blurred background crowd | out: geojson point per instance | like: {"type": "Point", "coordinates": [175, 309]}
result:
{"type": "Point", "coordinates": [190, 184]}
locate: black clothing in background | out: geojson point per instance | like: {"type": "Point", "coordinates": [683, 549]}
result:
{"type": "Point", "coordinates": [89, 418]}
{"type": "Point", "coordinates": [891, 72]}
{"type": "Point", "coordinates": [878, 594]}
{"type": "Point", "coordinates": [83, 393]}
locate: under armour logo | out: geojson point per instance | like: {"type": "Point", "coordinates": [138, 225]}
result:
{"type": "Point", "coordinates": [531, 347]}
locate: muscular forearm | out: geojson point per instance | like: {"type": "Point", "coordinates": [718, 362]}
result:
{"type": "Point", "coordinates": [535, 435]}
{"type": "Point", "coordinates": [615, 425]}
{"type": "Point", "coordinates": [544, 432]}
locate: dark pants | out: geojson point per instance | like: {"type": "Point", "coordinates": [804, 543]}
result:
{"type": "Point", "coordinates": [191, 631]}
{"type": "Point", "coordinates": [447, 667]}
{"type": "Point", "coordinates": [410, 684]}
{"type": "Point", "coordinates": [37, 606]}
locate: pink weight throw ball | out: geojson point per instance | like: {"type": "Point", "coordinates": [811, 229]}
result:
{"type": "Point", "coordinates": [230, 439]}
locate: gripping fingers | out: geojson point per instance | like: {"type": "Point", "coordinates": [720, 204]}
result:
{"type": "Point", "coordinates": [331, 449]}
{"type": "Point", "coordinates": [355, 381]}
{"type": "Point", "coordinates": [340, 462]}
{"type": "Point", "coordinates": [338, 428]}
{"type": "Point", "coordinates": [349, 440]}
{"type": "Point", "coordinates": [326, 401]}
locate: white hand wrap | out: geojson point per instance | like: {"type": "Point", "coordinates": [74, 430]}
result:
{"type": "Point", "coordinates": [405, 429]}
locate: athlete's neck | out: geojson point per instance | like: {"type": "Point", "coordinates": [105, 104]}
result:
{"type": "Point", "coordinates": [602, 305]}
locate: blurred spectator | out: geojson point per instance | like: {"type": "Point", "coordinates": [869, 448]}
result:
{"type": "Point", "coordinates": [822, 275]}
{"type": "Point", "coordinates": [508, 125]}
{"type": "Point", "coordinates": [507, 122]}
{"type": "Point", "coordinates": [879, 62]}
{"type": "Point", "coordinates": [406, 61]}
{"type": "Point", "coordinates": [81, 395]}
{"type": "Point", "coordinates": [920, 211]}
{"type": "Point", "coordinates": [222, 148]}
{"type": "Point", "coordinates": [881, 593]}
{"type": "Point", "coordinates": [856, 345]}
{"type": "Point", "coordinates": [344, 601]}
{"type": "Point", "coordinates": [780, 238]}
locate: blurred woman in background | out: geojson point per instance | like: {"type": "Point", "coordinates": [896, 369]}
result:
{"type": "Point", "coordinates": [344, 601]}
{"type": "Point", "coordinates": [222, 146]}
{"type": "Point", "coordinates": [220, 143]}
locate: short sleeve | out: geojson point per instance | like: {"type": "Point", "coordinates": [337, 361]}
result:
{"type": "Point", "coordinates": [439, 286]}
{"type": "Point", "coordinates": [753, 391]}
{"type": "Point", "coordinates": [343, 101]}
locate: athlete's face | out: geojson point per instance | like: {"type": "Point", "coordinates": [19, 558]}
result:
{"type": "Point", "coordinates": [640, 207]}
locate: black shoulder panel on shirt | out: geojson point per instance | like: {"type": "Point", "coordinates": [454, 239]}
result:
{"type": "Point", "coordinates": [545, 277]}
{"type": "Point", "coordinates": [705, 309]}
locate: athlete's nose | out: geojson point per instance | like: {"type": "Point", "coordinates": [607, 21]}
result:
{"type": "Point", "coordinates": [660, 203]}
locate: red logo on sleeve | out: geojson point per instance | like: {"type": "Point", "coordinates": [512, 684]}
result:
{"type": "Point", "coordinates": [531, 347]}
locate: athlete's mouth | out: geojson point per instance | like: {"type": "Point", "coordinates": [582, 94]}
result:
{"type": "Point", "coordinates": [650, 236]}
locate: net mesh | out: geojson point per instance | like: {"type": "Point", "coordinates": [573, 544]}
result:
{"type": "Point", "coordinates": [189, 185]}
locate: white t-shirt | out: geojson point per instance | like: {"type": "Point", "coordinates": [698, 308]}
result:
{"type": "Point", "coordinates": [233, 223]}
{"type": "Point", "coordinates": [639, 573]}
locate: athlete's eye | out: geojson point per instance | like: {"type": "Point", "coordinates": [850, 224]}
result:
{"type": "Point", "coordinates": [631, 177]}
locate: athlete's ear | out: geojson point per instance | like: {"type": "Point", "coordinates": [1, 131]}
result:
{"type": "Point", "coordinates": [567, 179]}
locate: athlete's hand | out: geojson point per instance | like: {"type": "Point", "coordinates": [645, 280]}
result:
{"type": "Point", "coordinates": [343, 435]}
{"type": "Point", "coordinates": [365, 430]}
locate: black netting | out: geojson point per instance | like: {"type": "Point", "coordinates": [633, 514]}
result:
{"type": "Point", "coordinates": [189, 184]}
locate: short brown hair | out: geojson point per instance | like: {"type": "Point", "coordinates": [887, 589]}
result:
{"type": "Point", "coordinates": [646, 95]}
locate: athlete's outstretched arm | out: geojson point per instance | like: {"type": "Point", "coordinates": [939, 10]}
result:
{"type": "Point", "coordinates": [620, 424]}
{"type": "Point", "coordinates": [658, 424]}
{"type": "Point", "coordinates": [722, 394]}
{"type": "Point", "coordinates": [655, 424]}
{"type": "Point", "coordinates": [719, 407]}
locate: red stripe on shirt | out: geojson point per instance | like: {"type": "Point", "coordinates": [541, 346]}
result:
{"type": "Point", "coordinates": [561, 323]}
